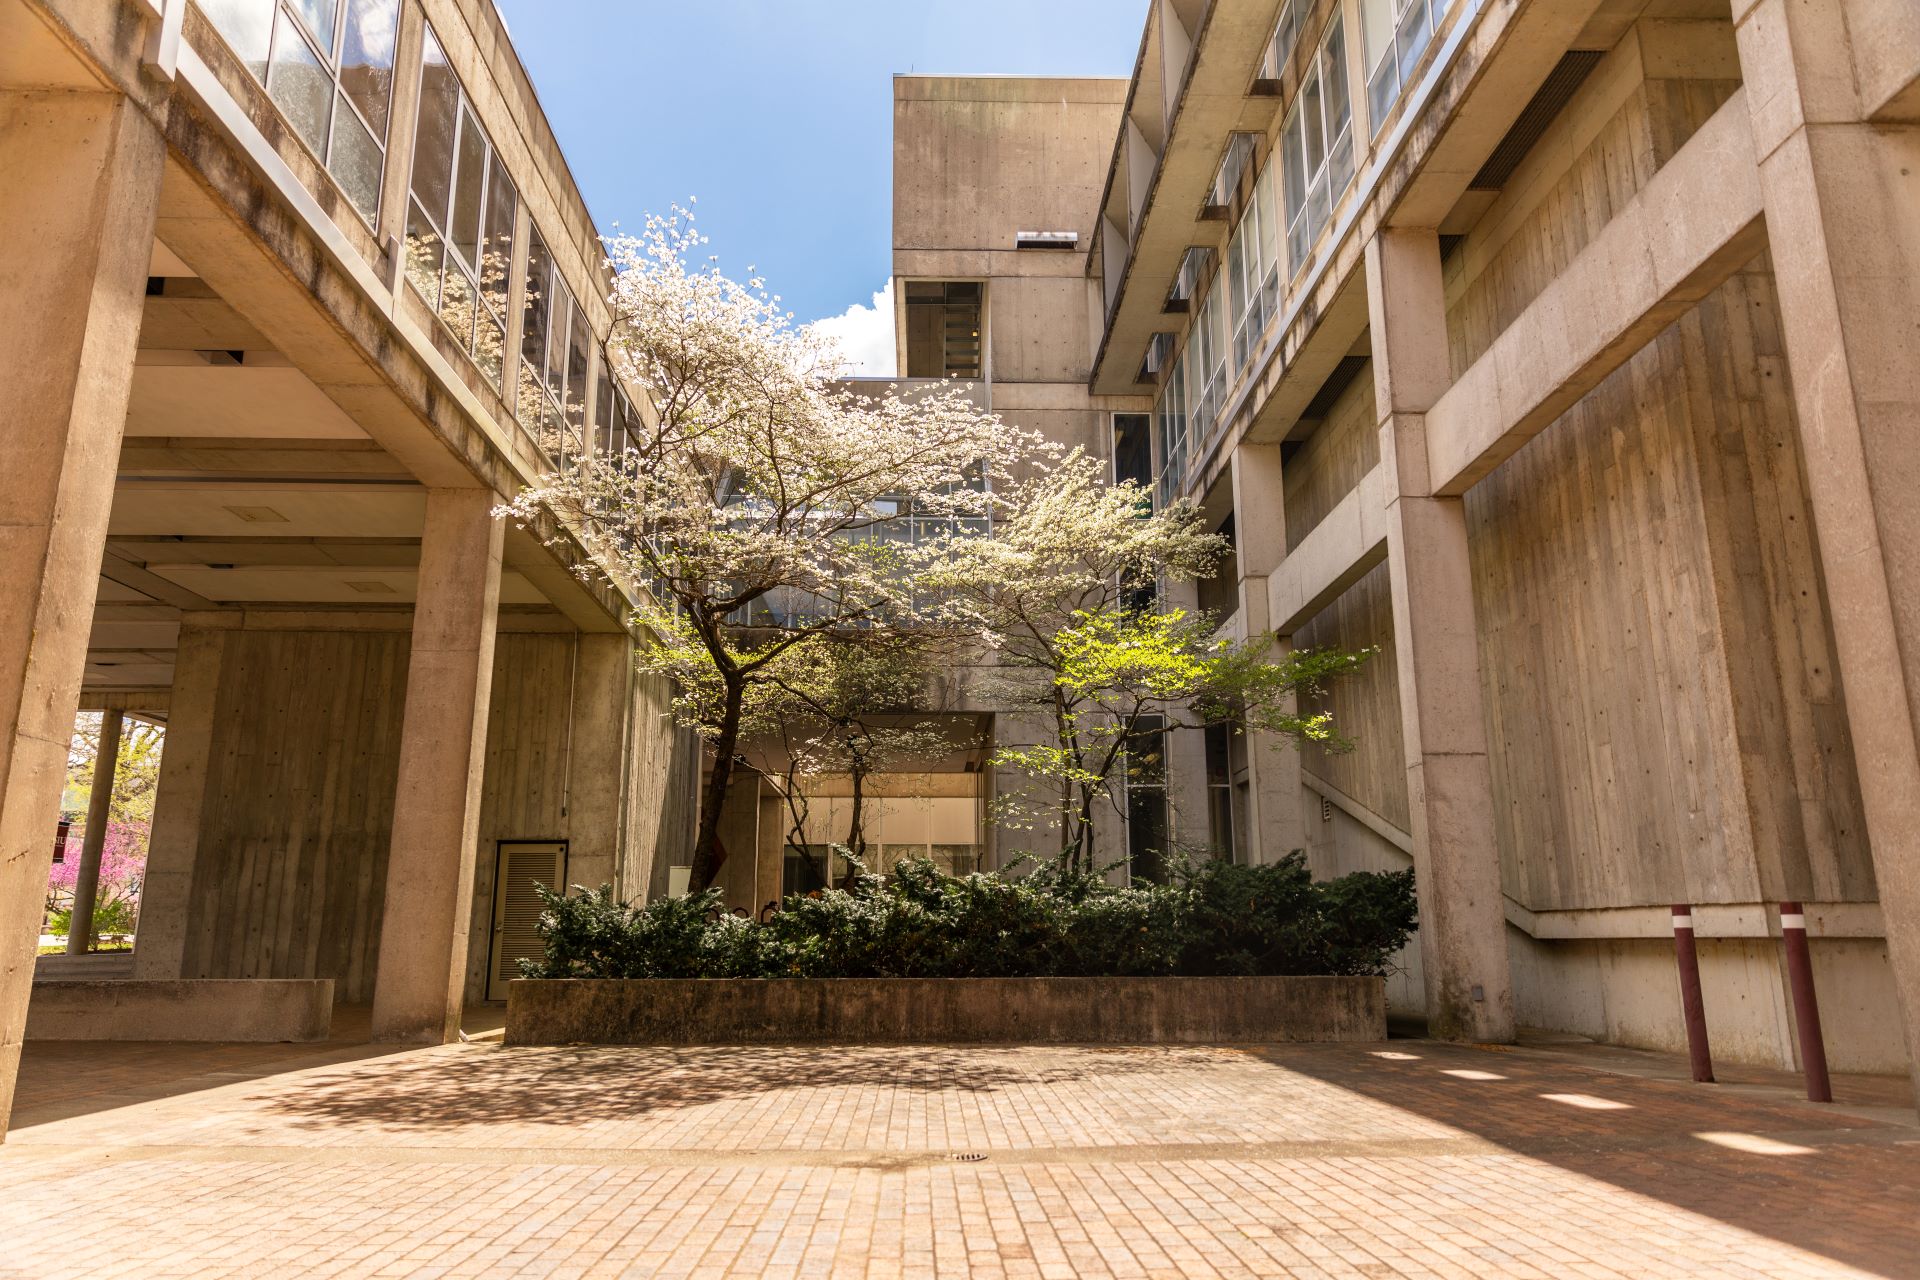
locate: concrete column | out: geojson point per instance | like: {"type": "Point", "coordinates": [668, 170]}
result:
{"type": "Point", "coordinates": [1463, 941]}
{"type": "Point", "coordinates": [74, 247]}
{"type": "Point", "coordinates": [86, 884]}
{"type": "Point", "coordinates": [1274, 823]}
{"type": "Point", "coordinates": [1843, 222]}
{"type": "Point", "coordinates": [173, 847]}
{"type": "Point", "coordinates": [596, 750]}
{"type": "Point", "coordinates": [421, 981]}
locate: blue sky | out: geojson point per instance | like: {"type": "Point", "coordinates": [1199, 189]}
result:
{"type": "Point", "coordinates": [777, 114]}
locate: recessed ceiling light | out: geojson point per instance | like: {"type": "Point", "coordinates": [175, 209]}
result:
{"type": "Point", "coordinates": [259, 515]}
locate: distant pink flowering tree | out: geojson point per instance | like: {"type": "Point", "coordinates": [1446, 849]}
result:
{"type": "Point", "coordinates": [123, 869]}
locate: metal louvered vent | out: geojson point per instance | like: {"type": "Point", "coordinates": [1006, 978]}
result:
{"type": "Point", "coordinates": [516, 908]}
{"type": "Point", "coordinates": [1562, 83]}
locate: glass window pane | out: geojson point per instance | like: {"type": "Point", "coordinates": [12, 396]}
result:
{"type": "Point", "coordinates": [1294, 173]}
{"type": "Point", "coordinates": [1312, 112]}
{"type": "Point", "coordinates": [1412, 37]}
{"type": "Point", "coordinates": [533, 321]}
{"type": "Point", "coordinates": [366, 59]}
{"type": "Point", "coordinates": [433, 136]}
{"type": "Point", "coordinates": [469, 181]}
{"type": "Point", "coordinates": [300, 86]}
{"type": "Point", "coordinates": [1333, 70]}
{"type": "Point", "coordinates": [456, 304]}
{"type": "Point", "coordinates": [496, 251]}
{"type": "Point", "coordinates": [579, 354]}
{"type": "Point", "coordinates": [603, 418]}
{"type": "Point", "coordinates": [557, 339]}
{"type": "Point", "coordinates": [489, 347]}
{"type": "Point", "coordinates": [423, 255]}
{"type": "Point", "coordinates": [1381, 91]}
{"type": "Point", "coordinates": [247, 25]}
{"type": "Point", "coordinates": [319, 15]}
{"type": "Point", "coordinates": [1376, 24]}
{"type": "Point", "coordinates": [355, 160]}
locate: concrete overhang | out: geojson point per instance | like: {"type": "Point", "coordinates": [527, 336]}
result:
{"type": "Point", "coordinates": [1213, 103]}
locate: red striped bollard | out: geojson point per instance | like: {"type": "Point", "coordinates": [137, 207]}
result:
{"type": "Point", "coordinates": [1691, 1003]}
{"type": "Point", "coordinates": [1806, 1009]}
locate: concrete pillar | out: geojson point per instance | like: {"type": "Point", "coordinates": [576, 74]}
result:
{"type": "Point", "coordinates": [75, 242]}
{"type": "Point", "coordinates": [86, 883]}
{"type": "Point", "coordinates": [596, 750]}
{"type": "Point", "coordinates": [1274, 823]}
{"type": "Point", "coordinates": [418, 990]}
{"type": "Point", "coordinates": [1463, 941]}
{"type": "Point", "coordinates": [1843, 222]}
{"type": "Point", "coordinates": [173, 847]}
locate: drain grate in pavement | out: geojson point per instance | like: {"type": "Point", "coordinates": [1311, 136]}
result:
{"type": "Point", "coordinates": [966, 1157]}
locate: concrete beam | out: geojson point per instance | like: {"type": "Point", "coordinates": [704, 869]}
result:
{"type": "Point", "coordinates": [1339, 551]}
{"type": "Point", "coordinates": [1694, 224]}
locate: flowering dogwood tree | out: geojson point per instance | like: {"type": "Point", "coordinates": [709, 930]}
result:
{"type": "Point", "coordinates": [1063, 589]}
{"type": "Point", "coordinates": [765, 506]}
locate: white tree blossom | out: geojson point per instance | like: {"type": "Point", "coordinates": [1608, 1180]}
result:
{"type": "Point", "coordinates": [764, 505]}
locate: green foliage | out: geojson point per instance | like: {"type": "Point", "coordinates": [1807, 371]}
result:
{"type": "Point", "coordinates": [110, 916]}
{"type": "Point", "coordinates": [1212, 918]}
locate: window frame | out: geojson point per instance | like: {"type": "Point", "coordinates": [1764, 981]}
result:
{"type": "Point", "coordinates": [478, 306]}
{"type": "Point", "coordinates": [287, 21]}
{"type": "Point", "coordinates": [1319, 186]}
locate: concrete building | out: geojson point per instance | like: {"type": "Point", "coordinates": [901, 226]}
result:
{"type": "Point", "coordinates": [1562, 351]}
{"type": "Point", "coordinates": [299, 292]}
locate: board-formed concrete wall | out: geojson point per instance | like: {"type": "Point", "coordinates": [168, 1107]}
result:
{"type": "Point", "coordinates": [1664, 720]}
{"type": "Point", "coordinates": [288, 857]}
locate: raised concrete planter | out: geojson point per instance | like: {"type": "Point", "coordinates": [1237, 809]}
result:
{"type": "Point", "coordinates": [240, 1009]}
{"type": "Point", "coordinates": [946, 1011]}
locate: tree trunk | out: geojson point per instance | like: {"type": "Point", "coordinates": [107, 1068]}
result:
{"type": "Point", "coordinates": [706, 845]}
{"type": "Point", "coordinates": [856, 831]}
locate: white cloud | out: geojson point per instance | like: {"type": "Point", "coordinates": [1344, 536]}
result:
{"type": "Point", "coordinates": [865, 335]}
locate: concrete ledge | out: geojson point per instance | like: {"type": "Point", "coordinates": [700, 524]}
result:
{"type": "Point", "coordinates": [946, 1011]}
{"type": "Point", "coordinates": [213, 1009]}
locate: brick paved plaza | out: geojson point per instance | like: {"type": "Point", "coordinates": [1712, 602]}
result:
{"type": "Point", "coordinates": [1404, 1159]}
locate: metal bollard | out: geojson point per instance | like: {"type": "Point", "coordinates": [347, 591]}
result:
{"type": "Point", "coordinates": [1690, 1000]}
{"type": "Point", "coordinates": [1806, 1008]}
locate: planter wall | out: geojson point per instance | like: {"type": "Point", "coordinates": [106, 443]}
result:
{"type": "Point", "coordinates": [216, 1009]}
{"type": "Point", "coordinates": [945, 1011]}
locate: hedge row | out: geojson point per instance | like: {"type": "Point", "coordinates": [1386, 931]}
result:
{"type": "Point", "coordinates": [1213, 918]}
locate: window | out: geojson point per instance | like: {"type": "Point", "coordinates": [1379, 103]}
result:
{"type": "Point", "coordinates": [1146, 792]}
{"type": "Point", "coordinates": [1397, 33]}
{"type": "Point", "coordinates": [328, 66]}
{"type": "Point", "coordinates": [1253, 269]}
{"type": "Point", "coordinates": [1219, 748]}
{"type": "Point", "coordinates": [1133, 463]}
{"type": "Point", "coordinates": [1173, 432]}
{"type": "Point", "coordinates": [1286, 34]}
{"type": "Point", "coordinates": [1207, 366]}
{"type": "Point", "coordinates": [1317, 146]}
{"type": "Point", "coordinates": [943, 329]}
{"type": "Point", "coordinates": [554, 344]}
{"type": "Point", "coordinates": [460, 219]}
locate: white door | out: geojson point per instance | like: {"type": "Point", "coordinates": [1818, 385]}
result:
{"type": "Point", "coordinates": [516, 908]}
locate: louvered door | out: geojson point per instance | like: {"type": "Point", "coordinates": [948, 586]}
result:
{"type": "Point", "coordinates": [516, 908]}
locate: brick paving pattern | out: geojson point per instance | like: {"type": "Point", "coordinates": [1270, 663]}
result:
{"type": "Point", "coordinates": [1407, 1159]}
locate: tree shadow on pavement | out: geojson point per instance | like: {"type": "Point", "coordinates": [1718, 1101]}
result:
{"type": "Point", "coordinates": [579, 1085]}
